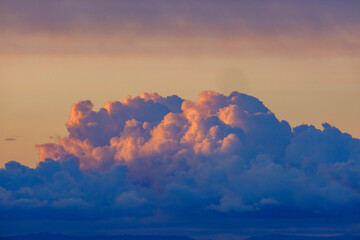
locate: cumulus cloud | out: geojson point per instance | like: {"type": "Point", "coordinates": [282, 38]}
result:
{"type": "Point", "coordinates": [159, 158]}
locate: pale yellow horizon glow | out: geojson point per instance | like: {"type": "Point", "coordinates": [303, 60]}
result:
{"type": "Point", "coordinates": [37, 91]}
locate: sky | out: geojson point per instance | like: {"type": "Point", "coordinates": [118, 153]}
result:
{"type": "Point", "coordinates": [75, 74]}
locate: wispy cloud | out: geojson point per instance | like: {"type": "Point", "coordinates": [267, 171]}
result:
{"type": "Point", "coordinates": [10, 139]}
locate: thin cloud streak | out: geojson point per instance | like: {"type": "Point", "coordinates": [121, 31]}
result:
{"type": "Point", "coordinates": [10, 139]}
{"type": "Point", "coordinates": [335, 45]}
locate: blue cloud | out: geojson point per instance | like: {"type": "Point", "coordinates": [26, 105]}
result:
{"type": "Point", "coordinates": [154, 161]}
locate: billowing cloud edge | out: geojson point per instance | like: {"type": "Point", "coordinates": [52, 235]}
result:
{"type": "Point", "coordinates": [158, 158]}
